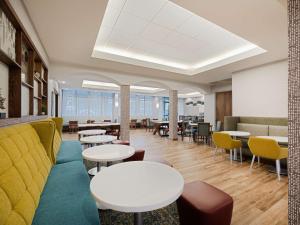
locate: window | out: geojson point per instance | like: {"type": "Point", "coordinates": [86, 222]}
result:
{"type": "Point", "coordinates": [141, 106]}
{"type": "Point", "coordinates": [83, 105]}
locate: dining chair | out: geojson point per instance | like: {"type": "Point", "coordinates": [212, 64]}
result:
{"type": "Point", "coordinates": [225, 141]}
{"type": "Point", "coordinates": [149, 124]}
{"type": "Point", "coordinates": [133, 123]}
{"type": "Point", "coordinates": [187, 131]}
{"type": "Point", "coordinates": [203, 132]}
{"type": "Point", "coordinates": [73, 126]}
{"type": "Point", "coordinates": [269, 149]}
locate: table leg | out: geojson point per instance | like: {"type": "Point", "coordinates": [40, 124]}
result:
{"type": "Point", "coordinates": [98, 167]}
{"type": "Point", "coordinates": [138, 219]}
{"type": "Point", "coordinates": [235, 155]}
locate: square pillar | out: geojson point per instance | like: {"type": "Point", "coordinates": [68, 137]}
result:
{"type": "Point", "coordinates": [173, 114]}
{"type": "Point", "coordinates": [124, 112]}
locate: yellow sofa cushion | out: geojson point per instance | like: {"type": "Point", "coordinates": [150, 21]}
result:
{"type": "Point", "coordinates": [59, 124]}
{"type": "Point", "coordinates": [56, 144]}
{"type": "Point", "coordinates": [24, 168]}
{"type": "Point", "coordinates": [45, 130]}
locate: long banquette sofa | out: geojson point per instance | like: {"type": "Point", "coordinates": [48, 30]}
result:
{"type": "Point", "coordinates": [43, 180]}
{"type": "Point", "coordinates": [257, 126]}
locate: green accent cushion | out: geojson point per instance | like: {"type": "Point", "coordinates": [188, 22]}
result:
{"type": "Point", "coordinates": [66, 199]}
{"type": "Point", "coordinates": [69, 151]}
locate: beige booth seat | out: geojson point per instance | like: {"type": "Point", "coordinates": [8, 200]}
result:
{"type": "Point", "coordinates": [278, 131]}
{"type": "Point", "coordinates": [254, 129]}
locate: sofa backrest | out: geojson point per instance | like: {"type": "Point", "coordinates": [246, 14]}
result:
{"type": "Point", "coordinates": [24, 168]}
{"type": "Point", "coordinates": [278, 131]}
{"type": "Point", "coordinates": [264, 120]}
{"type": "Point", "coordinates": [254, 129]}
{"type": "Point", "coordinates": [57, 137]}
{"type": "Point", "coordinates": [45, 129]}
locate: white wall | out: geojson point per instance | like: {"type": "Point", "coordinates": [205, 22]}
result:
{"type": "Point", "coordinates": [261, 91]}
{"type": "Point", "coordinates": [210, 109]}
{"type": "Point", "coordinates": [4, 86]}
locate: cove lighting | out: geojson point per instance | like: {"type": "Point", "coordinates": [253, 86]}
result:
{"type": "Point", "coordinates": [98, 83]}
{"type": "Point", "coordinates": [193, 93]}
{"type": "Point", "coordinates": [146, 88]}
{"type": "Point", "coordinates": [162, 35]}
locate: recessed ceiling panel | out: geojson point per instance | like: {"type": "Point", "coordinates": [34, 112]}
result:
{"type": "Point", "coordinates": [162, 35]}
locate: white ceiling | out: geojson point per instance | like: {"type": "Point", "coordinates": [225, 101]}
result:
{"type": "Point", "coordinates": [160, 34]}
{"type": "Point", "coordinates": [68, 30]}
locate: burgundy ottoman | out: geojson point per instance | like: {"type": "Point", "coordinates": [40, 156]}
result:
{"type": "Point", "coordinates": [203, 204]}
{"type": "Point", "coordinates": [137, 156]}
{"type": "Point", "coordinates": [120, 142]}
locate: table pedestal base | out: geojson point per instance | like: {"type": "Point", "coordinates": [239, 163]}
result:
{"type": "Point", "coordinates": [138, 219]}
{"type": "Point", "coordinates": [93, 171]}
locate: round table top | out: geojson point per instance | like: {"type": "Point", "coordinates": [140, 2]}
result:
{"type": "Point", "coordinates": [237, 133]}
{"type": "Point", "coordinates": [92, 132]}
{"type": "Point", "coordinates": [108, 153]}
{"type": "Point", "coordinates": [98, 139]}
{"type": "Point", "coordinates": [279, 139]}
{"type": "Point", "coordinates": [137, 186]}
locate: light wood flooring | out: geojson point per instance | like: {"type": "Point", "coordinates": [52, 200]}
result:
{"type": "Point", "coordinates": [259, 198]}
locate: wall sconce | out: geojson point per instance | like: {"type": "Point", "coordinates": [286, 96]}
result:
{"type": "Point", "coordinates": [157, 105]}
{"type": "Point", "coordinates": [116, 104]}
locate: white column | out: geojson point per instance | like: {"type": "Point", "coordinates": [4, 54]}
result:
{"type": "Point", "coordinates": [173, 114]}
{"type": "Point", "coordinates": [125, 112]}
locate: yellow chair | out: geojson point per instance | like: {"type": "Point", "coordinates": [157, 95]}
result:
{"type": "Point", "coordinates": [224, 141]}
{"type": "Point", "coordinates": [267, 148]}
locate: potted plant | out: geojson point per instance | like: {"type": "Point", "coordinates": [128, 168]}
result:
{"type": "Point", "coordinates": [44, 109]}
{"type": "Point", "coordinates": [2, 107]}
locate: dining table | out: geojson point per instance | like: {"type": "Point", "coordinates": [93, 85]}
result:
{"type": "Point", "coordinates": [107, 153]}
{"type": "Point", "coordinates": [137, 187]}
{"type": "Point", "coordinates": [158, 126]}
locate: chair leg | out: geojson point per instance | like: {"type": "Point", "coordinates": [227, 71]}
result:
{"type": "Point", "coordinates": [231, 156]}
{"type": "Point", "coordinates": [252, 162]}
{"type": "Point", "coordinates": [241, 155]}
{"type": "Point", "coordinates": [278, 168]}
{"type": "Point", "coordinates": [258, 160]}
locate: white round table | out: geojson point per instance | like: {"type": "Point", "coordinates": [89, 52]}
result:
{"type": "Point", "coordinates": [91, 132]}
{"type": "Point", "coordinates": [137, 187]}
{"type": "Point", "coordinates": [106, 153]}
{"type": "Point", "coordinates": [94, 140]}
{"type": "Point", "coordinates": [236, 134]}
{"type": "Point", "coordinates": [279, 139]}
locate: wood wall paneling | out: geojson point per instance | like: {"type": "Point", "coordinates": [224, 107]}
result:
{"type": "Point", "coordinates": [223, 105]}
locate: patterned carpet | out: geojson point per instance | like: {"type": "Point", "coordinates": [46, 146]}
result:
{"type": "Point", "coordinates": [164, 216]}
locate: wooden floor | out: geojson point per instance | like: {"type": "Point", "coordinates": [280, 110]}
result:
{"type": "Point", "coordinates": [259, 198]}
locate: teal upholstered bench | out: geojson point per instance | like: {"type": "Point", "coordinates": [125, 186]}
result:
{"type": "Point", "coordinates": [66, 198]}
{"type": "Point", "coordinates": [69, 151]}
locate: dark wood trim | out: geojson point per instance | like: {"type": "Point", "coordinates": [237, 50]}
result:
{"type": "Point", "coordinates": [14, 89]}
{"type": "Point", "coordinates": [35, 61]}
{"type": "Point", "coordinates": [13, 17]}
{"type": "Point", "coordinates": [27, 85]}
{"type": "Point", "coordinates": [24, 119]}
{"type": "Point", "coordinates": [7, 60]}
